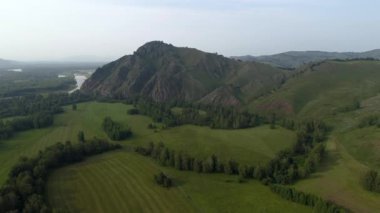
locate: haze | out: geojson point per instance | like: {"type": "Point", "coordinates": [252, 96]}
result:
{"type": "Point", "coordinates": [105, 30]}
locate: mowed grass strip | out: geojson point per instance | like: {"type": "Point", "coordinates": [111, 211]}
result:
{"type": "Point", "coordinates": [123, 182]}
{"type": "Point", "coordinates": [116, 182]}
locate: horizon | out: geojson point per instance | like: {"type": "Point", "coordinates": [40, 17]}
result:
{"type": "Point", "coordinates": [58, 30]}
{"type": "Point", "coordinates": [96, 59]}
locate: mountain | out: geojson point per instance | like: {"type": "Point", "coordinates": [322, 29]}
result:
{"type": "Point", "coordinates": [164, 72]}
{"type": "Point", "coordinates": [295, 59]}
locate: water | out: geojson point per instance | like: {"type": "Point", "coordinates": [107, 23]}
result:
{"type": "Point", "coordinates": [80, 80]}
{"type": "Point", "coordinates": [15, 70]}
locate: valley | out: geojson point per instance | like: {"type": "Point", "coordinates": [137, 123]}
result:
{"type": "Point", "coordinates": [257, 125]}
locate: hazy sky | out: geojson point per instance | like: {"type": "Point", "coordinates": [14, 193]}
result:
{"type": "Point", "coordinates": [108, 29]}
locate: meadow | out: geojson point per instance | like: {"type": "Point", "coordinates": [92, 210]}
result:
{"type": "Point", "coordinates": [124, 180]}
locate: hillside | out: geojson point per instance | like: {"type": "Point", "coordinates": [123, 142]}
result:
{"type": "Point", "coordinates": [295, 59]}
{"type": "Point", "coordinates": [164, 72]}
{"type": "Point", "coordinates": [324, 90]}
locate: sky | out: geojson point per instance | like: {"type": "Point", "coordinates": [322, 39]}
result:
{"type": "Point", "coordinates": [108, 29]}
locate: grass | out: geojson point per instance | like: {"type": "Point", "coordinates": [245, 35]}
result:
{"type": "Point", "coordinates": [251, 146]}
{"type": "Point", "coordinates": [339, 180]}
{"type": "Point", "coordinates": [87, 187]}
{"type": "Point", "coordinates": [364, 145]}
{"type": "Point", "coordinates": [325, 90]}
{"type": "Point", "coordinates": [121, 181]}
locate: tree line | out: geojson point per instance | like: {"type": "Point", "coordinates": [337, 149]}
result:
{"type": "Point", "coordinates": [214, 116]}
{"type": "Point", "coordinates": [30, 104]}
{"type": "Point", "coordinates": [35, 121]}
{"type": "Point", "coordinates": [317, 203]}
{"type": "Point", "coordinates": [115, 130]}
{"type": "Point", "coordinates": [25, 187]}
{"type": "Point", "coordinates": [286, 167]}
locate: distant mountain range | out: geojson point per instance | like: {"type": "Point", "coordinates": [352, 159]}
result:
{"type": "Point", "coordinates": [164, 72]}
{"type": "Point", "coordinates": [295, 59]}
{"type": "Point", "coordinates": [5, 64]}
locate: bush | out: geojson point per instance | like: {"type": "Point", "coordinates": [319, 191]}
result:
{"type": "Point", "coordinates": [371, 181]}
{"type": "Point", "coordinates": [133, 111]}
{"type": "Point", "coordinates": [163, 180]}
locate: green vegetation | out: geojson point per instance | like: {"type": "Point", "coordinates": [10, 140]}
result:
{"type": "Point", "coordinates": [24, 189]}
{"type": "Point", "coordinates": [25, 83]}
{"type": "Point", "coordinates": [254, 145]}
{"type": "Point", "coordinates": [348, 102]}
{"type": "Point", "coordinates": [371, 181]}
{"type": "Point", "coordinates": [317, 203]}
{"type": "Point", "coordinates": [86, 187]}
{"type": "Point", "coordinates": [163, 180]}
{"type": "Point", "coordinates": [115, 130]}
{"type": "Point", "coordinates": [323, 90]}
{"type": "Point", "coordinates": [286, 167]}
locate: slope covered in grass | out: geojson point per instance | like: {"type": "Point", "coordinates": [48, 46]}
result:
{"type": "Point", "coordinates": [339, 180]}
{"type": "Point", "coordinates": [323, 90]}
{"type": "Point", "coordinates": [123, 181]}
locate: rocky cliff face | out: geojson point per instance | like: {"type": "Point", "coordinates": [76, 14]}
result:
{"type": "Point", "coordinates": [163, 72]}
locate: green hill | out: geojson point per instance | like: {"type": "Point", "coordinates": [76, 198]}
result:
{"type": "Point", "coordinates": [296, 59]}
{"type": "Point", "coordinates": [325, 89]}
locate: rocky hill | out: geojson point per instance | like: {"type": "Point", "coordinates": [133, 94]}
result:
{"type": "Point", "coordinates": [164, 72]}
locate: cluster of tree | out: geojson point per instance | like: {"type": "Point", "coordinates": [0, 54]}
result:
{"type": "Point", "coordinates": [163, 180]}
{"type": "Point", "coordinates": [133, 111]}
{"type": "Point", "coordinates": [371, 181]}
{"type": "Point", "coordinates": [230, 118]}
{"type": "Point", "coordinates": [371, 120]}
{"type": "Point", "coordinates": [183, 161]}
{"type": "Point", "coordinates": [317, 203]}
{"type": "Point", "coordinates": [25, 187]}
{"type": "Point", "coordinates": [115, 130]}
{"type": "Point", "coordinates": [302, 159]}
{"type": "Point", "coordinates": [27, 105]}
{"type": "Point", "coordinates": [35, 121]}
{"type": "Point", "coordinates": [213, 116]}
{"type": "Point", "coordinates": [159, 112]}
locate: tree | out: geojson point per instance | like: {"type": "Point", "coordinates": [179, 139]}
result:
{"type": "Point", "coordinates": [273, 121]}
{"type": "Point", "coordinates": [81, 137]}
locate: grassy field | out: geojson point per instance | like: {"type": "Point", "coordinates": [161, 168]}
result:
{"type": "Point", "coordinates": [123, 182]}
{"type": "Point", "coordinates": [129, 172]}
{"type": "Point", "coordinates": [339, 180]}
{"type": "Point", "coordinates": [249, 146]}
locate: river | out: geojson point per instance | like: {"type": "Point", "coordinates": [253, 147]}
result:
{"type": "Point", "coordinates": [80, 80]}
